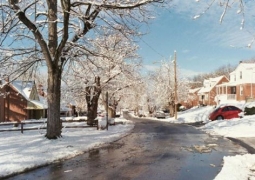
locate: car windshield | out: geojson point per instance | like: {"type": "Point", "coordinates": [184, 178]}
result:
{"type": "Point", "coordinates": [216, 110]}
{"type": "Point", "coordinates": [233, 108]}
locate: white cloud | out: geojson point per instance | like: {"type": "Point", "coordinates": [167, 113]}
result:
{"type": "Point", "coordinates": [185, 51]}
{"type": "Point", "coordinates": [189, 73]}
{"type": "Point", "coordinates": [185, 73]}
{"type": "Point", "coordinates": [192, 58]}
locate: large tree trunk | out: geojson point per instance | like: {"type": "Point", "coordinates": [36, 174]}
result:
{"type": "Point", "coordinates": [111, 112]}
{"type": "Point", "coordinates": [54, 125]}
{"type": "Point", "coordinates": [112, 108]}
{"type": "Point", "coordinates": [151, 110]}
{"type": "Point", "coordinates": [92, 96]}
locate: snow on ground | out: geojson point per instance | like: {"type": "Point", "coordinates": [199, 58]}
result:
{"type": "Point", "coordinates": [237, 127]}
{"type": "Point", "coordinates": [240, 167]}
{"type": "Point", "coordinates": [32, 149]}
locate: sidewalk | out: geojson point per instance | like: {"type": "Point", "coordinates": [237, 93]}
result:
{"type": "Point", "coordinates": [246, 142]}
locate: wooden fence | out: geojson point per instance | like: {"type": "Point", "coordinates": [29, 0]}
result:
{"type": "Point", "coordinates": [20, 126]}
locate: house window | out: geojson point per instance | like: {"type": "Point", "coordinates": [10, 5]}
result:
{"type": "Point", "coordinates": [241, 90]}
{"type": "Point", "coordinates": [235, 78]}
{"type": "Point", "coordinates": [240, 74]}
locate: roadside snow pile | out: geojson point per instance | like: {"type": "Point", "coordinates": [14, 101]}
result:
{"type": "Point", "coordinates": [238, 127]}
{"type": "Point", "coordinates": [240, 105]}
{"type": "Point", "coordinates": [239, 167]}
{"type": "Point", "coordinates": [249, 104]}
{"type": "Point", "coordinates": [198, 114]}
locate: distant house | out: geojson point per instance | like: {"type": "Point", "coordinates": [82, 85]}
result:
{"type": "Point", "coordinates": [19, 100]}
{"type": "Point", "coordinates": [241, 86]}
{"type": "Point", "coordinates": [193, 99]}
{"type": "Point", "coordinates": [207, 93]}
{"type": "Point", "coordinates": [68, 110]}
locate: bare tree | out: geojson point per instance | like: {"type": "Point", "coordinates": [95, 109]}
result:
{"type": "Point", "coordinates": [197, 81]}
{"type": "Point", "coordinates": [116, 63]}
{"type": "Point", "coordinates": [163, 86]}
{"type": "Point", "coordinates": [48, 32]}
{"type": "Point", "coordinates": [135, 98]}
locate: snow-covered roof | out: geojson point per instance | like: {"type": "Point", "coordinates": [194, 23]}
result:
{"type": "Point", "coordinates": [209, 84]}
{"type": "Point", "coordinates": [24, 88]}
{"type": "Point", "coordinates": [227, 84]}
{"type": "Point", "coordinates": [39, 104]}
{"type": "Point", "coordinates": [65, 108]}
{"type": "Point", "coordinates": [43, 101]}
{"type": "Point", "coordinates": [194, 90]}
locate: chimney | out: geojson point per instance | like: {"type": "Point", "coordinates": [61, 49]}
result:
{"type": "Point", "coordinates": [40, 90]}
{"type": "Point", "coordinates": [240, 62]}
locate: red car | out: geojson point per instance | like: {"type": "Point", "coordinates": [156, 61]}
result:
{"type": "Point", "coordinates": [225, 112]}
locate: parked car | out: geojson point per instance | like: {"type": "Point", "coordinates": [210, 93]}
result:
{"type": "Point", "coordinates": [182, 108]}
{"type": "Point", "coordinates": [225, 112]}
{"type": "Point", "coordinates": [160, 115]}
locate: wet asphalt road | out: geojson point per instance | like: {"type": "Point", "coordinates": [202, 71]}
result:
{"type": "Point", "coordinates": [154, 150]}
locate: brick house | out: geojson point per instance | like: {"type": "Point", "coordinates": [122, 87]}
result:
{"type": "Point", "coordinates": [192, 98]}
{"type": "Point", "coordinates": [241, 86]}
{"type": "Point", "coordinates": [19, 100]}
{"type": "Point", "coordinates": [207, 93]}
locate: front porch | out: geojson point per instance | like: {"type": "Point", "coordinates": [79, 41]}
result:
{"type": "Point", "coordinates": [224, 97]}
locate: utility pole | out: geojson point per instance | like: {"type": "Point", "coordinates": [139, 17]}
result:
{"type": "Point", "coordinates": [107, 108]}
{"type": "Point", "coordinates": [175, 87]}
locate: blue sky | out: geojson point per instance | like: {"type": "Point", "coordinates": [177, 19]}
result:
{"type": "Point", "coordinates": [203, 44]}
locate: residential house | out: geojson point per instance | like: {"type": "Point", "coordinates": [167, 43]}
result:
{"type": "Point", "coordinates": [19, 100]}
{"type": "Point", "coordinates": [192, 98]}
{"type": "Point", "coordinates": [241, 86]}
{"type": "Point", "coordinates": [207, 93]}
{"type": "Point", "coordinates": [68, 110]}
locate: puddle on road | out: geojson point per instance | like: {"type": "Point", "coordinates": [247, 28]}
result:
{"type": "Point", "coordinates": [209, 153]}
{"type": "Point", "coordinates": [200, 148]}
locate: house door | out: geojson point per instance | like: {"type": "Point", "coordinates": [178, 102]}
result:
{"type": "Point", "coordinates": [203, 99]}
{"type": "Point", "coordinates": [233, 90]}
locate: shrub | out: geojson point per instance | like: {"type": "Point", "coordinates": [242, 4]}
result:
{"type": "Point", "coordinates": [249, 111]}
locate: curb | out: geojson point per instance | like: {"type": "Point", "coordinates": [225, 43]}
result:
{"type": "Point", "coordinates": [249, 148]}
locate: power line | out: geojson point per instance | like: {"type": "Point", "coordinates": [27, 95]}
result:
{"type": "Point", "coordinates": [151, 47]}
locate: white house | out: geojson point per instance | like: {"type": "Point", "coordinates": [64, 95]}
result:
{"type": "Point", "coordinates": [241, 86]}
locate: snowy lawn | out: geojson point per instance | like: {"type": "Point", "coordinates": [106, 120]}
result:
{"type": "Point", "coordinates": [31, 149]}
